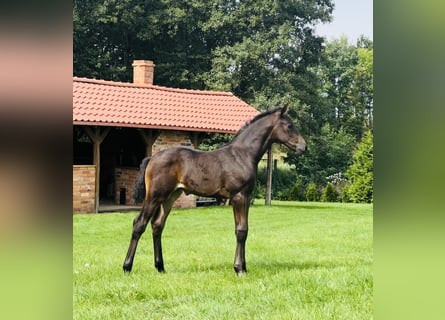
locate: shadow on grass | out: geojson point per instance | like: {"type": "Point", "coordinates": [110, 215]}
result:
{"type": "Point", "coordinates": [295, 265]}
{"type": "Point", "coordinates": [260, 266]}
{"type": "Point", "coordinates": [299, 206]}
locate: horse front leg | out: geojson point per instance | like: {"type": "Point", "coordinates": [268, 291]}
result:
{"type": "Point", "coordinates": [240, 204]}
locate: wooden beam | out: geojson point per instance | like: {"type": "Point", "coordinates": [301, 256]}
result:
{"type": "Point", "coordinates": [97, 137]}
{"type": "Point", "coordinates": [149, 136]}
{"type": "Point", "coordinates": [194, 138]}
{"type": "Point", "coordinates": [268, 196]}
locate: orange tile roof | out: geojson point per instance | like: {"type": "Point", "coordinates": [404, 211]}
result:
{"type": "Point", "coordinates": [108, 103]}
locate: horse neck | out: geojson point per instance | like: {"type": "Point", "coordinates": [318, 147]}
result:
{"type": "Point", "coordinates": [254, 140]}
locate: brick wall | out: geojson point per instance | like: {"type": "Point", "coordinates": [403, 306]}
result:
{"type": "Point", "coordinates": [171, 138]}
{"type": "Point", "coordinates": [125, 178]}
{"type": "Point", "coordinates": [84, 178]}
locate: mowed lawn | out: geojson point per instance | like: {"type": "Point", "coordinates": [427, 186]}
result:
{"type": "Point", "coordinates": [304, 261]}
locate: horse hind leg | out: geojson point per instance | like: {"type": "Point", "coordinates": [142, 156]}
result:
{"type": "Point", "coordinates": [158, 224]}
{"type": "Point", "coordinates": [139, 226]}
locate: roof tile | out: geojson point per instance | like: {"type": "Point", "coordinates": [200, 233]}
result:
{"type": "Point", "coordinates": [100, 102]}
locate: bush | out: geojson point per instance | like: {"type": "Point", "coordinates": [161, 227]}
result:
{"type": "Point", "coordinates": [282, 182]}
{"type": "Point", "coordinates": [311, 192]}
{"type": "Point", "coordinates": [329, 193]}
{"type": "Point", "coordinates": [260, 190]}
{"type": "Point", "coordinates": [339, 182]}
{"type": "Point", "coordinates": [297, 191]}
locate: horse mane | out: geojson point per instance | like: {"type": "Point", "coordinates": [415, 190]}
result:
{"type": "Point", "coordinates": [253, 120]}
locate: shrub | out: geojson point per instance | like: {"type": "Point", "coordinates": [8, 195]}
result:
{"type": "Point", "coordinates": [297, 191]}
{"type": "Point", "coordinates": [311, 192]}
{"type": "Point", "coordinates": [329, 193]}
{"type": "Point", "coordinates": [282, 182]}
{"type": "Point", "coordinates": [260, 190]}
{"type": "Point", "coordinates": [338, 181]}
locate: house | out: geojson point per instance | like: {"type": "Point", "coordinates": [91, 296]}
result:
{"type": "Point", "coordinates": [116, 125]}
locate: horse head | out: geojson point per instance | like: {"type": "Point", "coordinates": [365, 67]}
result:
{"type": "Point", "coordinates": [286, 133]}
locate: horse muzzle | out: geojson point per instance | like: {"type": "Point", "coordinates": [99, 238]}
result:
{"type": "Point", "coordinates": [300, 148]}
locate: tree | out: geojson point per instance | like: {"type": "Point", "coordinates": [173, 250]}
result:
{"type": "Point", "coordinates": [311, 192]}
{"type": "Point", "coordinates": [297, 192]}
{"type": "Point", "coordinates": [329, 194]}
{"type": "Point", "coordinates": [346, 81]}
{"type": "Point", "coordinates": [360, 173]}
{"type": "Point", "coordinates": [335, 122]}
{"type": "Point", "coordinates": [265, 53]}
{"type": "Point", "coordinates": [363, 85]}
{"type": "Point", "coordinates": [105, 37]}
{"type": "Point", "coordinates": [256, 49]}
{"type": "Point", "coordinates": [109, 35]}
{"type": "Point", "coordinates": [211, 141]}
{"type": "Point", "coordinates": [328, 153]}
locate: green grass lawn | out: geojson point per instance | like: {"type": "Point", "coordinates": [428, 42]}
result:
{"type": "Point", "coordinates": [304, 261]}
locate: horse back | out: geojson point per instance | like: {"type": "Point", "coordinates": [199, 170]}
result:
{"type": "Point", "coordinates": [203, 173]}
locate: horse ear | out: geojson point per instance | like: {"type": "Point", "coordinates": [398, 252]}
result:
{"type": "Point", "coordinates": [284, 110]}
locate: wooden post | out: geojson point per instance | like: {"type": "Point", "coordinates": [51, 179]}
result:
{"type": "Point", "coordinates": [97, 137]}
{"type": "Point", "coordinates": [149, 136]}
{"type": "Point", "coordinates": [194, 138]}
{"type": "Point", "coordinates": [269, 177]}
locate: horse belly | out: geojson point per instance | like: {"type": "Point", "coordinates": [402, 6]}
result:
{"type": "Point", "coordinates": [202, 174]}
{"type": "Point", "coordinates": [200, 184]}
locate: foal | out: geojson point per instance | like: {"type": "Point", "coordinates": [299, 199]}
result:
{"type": "Point", "coordinates": [229, 172]}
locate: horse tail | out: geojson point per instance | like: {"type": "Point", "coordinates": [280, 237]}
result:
{"type": "Point", "coordinates": [139, 188]}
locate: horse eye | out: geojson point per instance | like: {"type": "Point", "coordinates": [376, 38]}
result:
{"type": "Point", "coordinates": [290, 126]}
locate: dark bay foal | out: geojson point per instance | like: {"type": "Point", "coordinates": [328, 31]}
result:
{"type": "Point", "coordinates": [229, 172]}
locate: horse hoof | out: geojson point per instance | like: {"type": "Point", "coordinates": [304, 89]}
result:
{"type": "Point", "coordinates": [161, 270]}
{"type": "Point", "coordinates": [127, 268]}
{"type": "Point", "coordinates": [160, 267]}
{"type": "Point", "coordinates": [241, 273]}
{"type": "Point", "coordinates": [239, 270]}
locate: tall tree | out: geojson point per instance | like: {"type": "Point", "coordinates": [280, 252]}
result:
{"type": "Point", "coordinates": [243, 46]}
{"type": "Point", "coordinates": [364, 88]}
{"type": "Point", "coordinates": [343, 111]}
{"type": "Point", "coordinates": [346, 75]}
{"type": "Point", "coordinates": [266, 49]}
{"type": "Point", "coordinates": [360, 173]}
{"type": "Point", "coordinates": [109, 35]}
{"type": "Point", "coordinates": [104, 37]}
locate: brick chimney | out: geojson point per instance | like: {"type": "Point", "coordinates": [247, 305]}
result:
{"type": "Point", "coordinates": [143, 71]}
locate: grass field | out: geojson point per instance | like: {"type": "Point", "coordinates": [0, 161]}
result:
{"type": "Point", "coordinates": [304, 261]}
